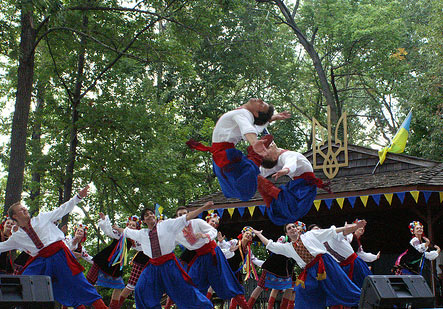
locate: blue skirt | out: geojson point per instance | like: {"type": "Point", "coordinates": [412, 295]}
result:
{"type": "Point", "coordinates": [167, 278]}
{"type": "Point", "coordinates": [220, 277]}
{"type": "Point", "coordinates": [239, 178]}
{"type": "Point", "coordinates": [336, 289]}
{"type": "Point", "coordinates": [277, 283]}
{"type": "Point", "coordinates": [107, 281]}
{"type": "Point", "coordinates": [361, 271]}
{"type": "Point", "coordinates": [68, 290]}
{"type": "Point", "coordinates": [293, 202]}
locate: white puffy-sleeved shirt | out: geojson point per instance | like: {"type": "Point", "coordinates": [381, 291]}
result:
{"type": "Point", "coordinates": [312, 240]}
{"type": "Point", "coordinates": [187, 236]}
{"type": "Point", "coordinates": [294, 161]}
{"type": "Point", "coordinates": [365, 256]}
{"type": "Point", "coordinates": [69, 241]}
{"type": "Point", "coordinates": [44, 226]}
{"type": "Point", "coordinates": [106, 227]}
{"type": "Point", "coordinates": [232, 126]}
{"type": "Point", "coordinates": [167, 231]}
{"type": "Point", "coordinates": [339, 247]}
{"type": "Point", "coordinates": [421, 247]}
{"type": "Point", "coordinates": [225, 246]}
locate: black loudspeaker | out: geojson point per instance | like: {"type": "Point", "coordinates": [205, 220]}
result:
{"type": "Point", "coordinates": [380, 291]}
{"type": "Point", "coordinates": [26, 292]}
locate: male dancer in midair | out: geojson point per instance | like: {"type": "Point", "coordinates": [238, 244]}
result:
{"type": "Point", "coordinates": [237, 174]}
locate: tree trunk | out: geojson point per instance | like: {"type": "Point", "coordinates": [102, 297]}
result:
{"type": "Point", "coordinates": [309, 47]}
{"type": "Point", "coordinates": [37, 148]}
{"type": "Point", "coordinates": [67, 192]}
{"type": "Point", "coordinates": [25, 75]}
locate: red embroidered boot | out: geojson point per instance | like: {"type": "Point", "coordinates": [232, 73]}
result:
{"type": "Point", "coordinates": [99, 304]}
{"type": "Point", "coordinates": [241, 301]}
{"type": "Point", "coordinates": [233, 304]}
{"type": "Point", "coordinates": [284, 303]}
{"type": "Point", "coordinates": [114, 304]}
{"type": "Point", "coordinates": [271, 302]}
{"type": "Point", "coordinates": [267, 190]}
{"type": "Point", "coordinates": [251, 302]}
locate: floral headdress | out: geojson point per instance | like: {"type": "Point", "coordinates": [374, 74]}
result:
{"type": "Point", "coordinates": [212, 216]}
{"type": "Point", "coordinates": [136, 219]}
{"type": "Point", "coordinates": [301, 224]}
{"type": "Point", "coordinates": [85, 230]}
{"type": "Point", "coordinates": [413, 224]}
{"type": "Point", "coordinates": [246, 229]}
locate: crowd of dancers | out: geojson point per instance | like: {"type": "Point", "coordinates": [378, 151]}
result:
{"type": "Point", "coordinates": [332, 260]}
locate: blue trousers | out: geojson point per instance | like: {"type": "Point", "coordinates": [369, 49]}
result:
{"type": "Point", "coordinates": [294, 201]}
{"type": "Point", "coordinates": [220, 276]}
{"type": "Point", "coordinates": [361, 271]}
{"type": "Point", "coordinates": [239, 178]}
{"type": "Point", "coordinates": [68, 290]}
{"type": "Point", "coordinates": [336, 289]}
{"type": "Point", "coordinates": [156, 280]}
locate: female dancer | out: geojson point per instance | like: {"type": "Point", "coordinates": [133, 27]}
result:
{"type": "Point", "coordinates": [6, 264]}
{"type": "Point", "coordinates": [240, 256]}
{"type": "Point", "coordinates": [101, 272]}
{"type": "Point", "coordinates": [75, 243]}
{"type": "Point", "coordinates": [411, 261]}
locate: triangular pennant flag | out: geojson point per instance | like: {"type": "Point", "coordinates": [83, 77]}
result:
{"type": "Point", "coordinates": [328, 202]}
{"type": "Point", "coordinates": [317, 204]}
{"type": "Point", "coordinates": [415, 195]}
{"type": "Point", "coordinates": [441, 196]}
{"type": "Point", "coordinates": [251, 210]}
{"type": "Point", "coordinates": [376, 198]}
{"type": "Point", "coordinates": [340, 202]}
{"type": "Point", "coordinates": [241, 210]}
{"type": "Point", "coordinates": [364, 199]}
{"type": "Point", "coordinates": [401, 196]}
{"type": "Point", "coordinates": [262, 209]}
{"type": "Point", "coordinates": [210, 211]}
{"type": "Point", "coordinates": [427, 195]}
{"type": "Point", "coordinates": [351, 200]}
{"type": "Point", "coordinates": [231, 211]}
{"type": "Point", "coordinates": [388, 197]}
{"type": "Point", "coordinates": [200, 215]}
{"type": "Point", "coordinates": [220, 212]}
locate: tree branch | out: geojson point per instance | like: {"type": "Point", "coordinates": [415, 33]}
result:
{"type": "Point", "coordinates": [57, 72]}
{"type": "Point", "coordinates": [94, 82]}
{"type": "Point", "coordinates": [295, 8]}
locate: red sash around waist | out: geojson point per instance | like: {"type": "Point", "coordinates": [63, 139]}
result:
{"type": "Point", "coordinates": [167, 257]}
{"type": "Point", "coordinates": [217, 150]}
{"type": "Point", "coordinates": [350, 261]}
{"type": "Point", "coordinates": [208, 248]}
{"type": "Point", "coordinates": [52, 249]}
{"type": "Point", "coordinates": [321, 272]}
{"type": "Point", "coordinates": [314, 181]}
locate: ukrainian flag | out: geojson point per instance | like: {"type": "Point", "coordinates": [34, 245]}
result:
{"type": "Point", "coordinates": [158, 210]}
{"type": "Point", "coordinates": [399, 141]}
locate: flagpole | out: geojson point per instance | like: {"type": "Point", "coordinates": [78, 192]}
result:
{"type": "Point", "coordinates": [378, 163]}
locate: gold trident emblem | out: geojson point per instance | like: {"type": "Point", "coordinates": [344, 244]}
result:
{"type": "Point", "coordinates": [330, 164]}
